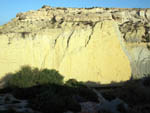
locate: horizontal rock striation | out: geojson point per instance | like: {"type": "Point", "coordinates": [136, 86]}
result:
{"type": "Point", "coordinates": [95, 44]}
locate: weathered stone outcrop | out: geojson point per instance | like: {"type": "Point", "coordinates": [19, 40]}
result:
{"type": "Point", "coordinates": [97, 44]}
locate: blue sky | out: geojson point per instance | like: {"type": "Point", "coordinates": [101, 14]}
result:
{"type": "Point", "coordinates": [9, 8]}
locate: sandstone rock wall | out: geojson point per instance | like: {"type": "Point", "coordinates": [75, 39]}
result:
{"type": "Point", "coordinates": [97, 44]}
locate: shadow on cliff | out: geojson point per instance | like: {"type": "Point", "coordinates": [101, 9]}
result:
{"type": "Point", "coordinates": [46, 91]}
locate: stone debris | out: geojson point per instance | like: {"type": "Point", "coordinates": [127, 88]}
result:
{"type": "Point", "coordinates": [9, 102]}
{"type": "Point", "coordinates": [103, 105]}
{"type": "Point", "coordinates": [114, 106]}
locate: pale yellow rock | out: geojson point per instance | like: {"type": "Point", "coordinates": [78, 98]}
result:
{"type": "Point", "coordinates": [86, 54]}
{"type": "Point", "coordinates": [103, 60]}
{"type": "Point", "coordinates": [66, 39]}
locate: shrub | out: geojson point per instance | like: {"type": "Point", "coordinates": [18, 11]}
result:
{"type": "Point", "coordinates": [50, 76]}
{"type": "Point", "coordinates": [74, 83]}
{"type": "Point", "coordinates": [28, 77]}
{"type": "Point", "coordinates": [45, 91]}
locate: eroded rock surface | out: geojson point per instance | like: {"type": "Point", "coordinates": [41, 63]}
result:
{"type": "Point", "coordinates": [96, 44]}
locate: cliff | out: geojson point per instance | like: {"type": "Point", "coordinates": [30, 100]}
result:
{"type": "Point", "coordinates": [95, 44]}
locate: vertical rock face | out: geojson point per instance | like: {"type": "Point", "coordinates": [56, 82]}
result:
{"type": "Point", "coordinates": [97, 44]}
{"type": "Point", "coordinates": [100, 59]}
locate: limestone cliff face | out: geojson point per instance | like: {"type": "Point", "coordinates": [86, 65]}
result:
{"type": "Point", "coordinates": [98, 44]}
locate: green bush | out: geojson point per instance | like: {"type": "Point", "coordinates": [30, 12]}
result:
{"type": "Point", "coordinates": [74, 83]}
{"type": "Point", "coordinates": [28, 77]}
{"type": "Point", "coordinates": [45, 91]}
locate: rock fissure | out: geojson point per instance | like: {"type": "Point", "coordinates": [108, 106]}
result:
{"type": "Point", "coordinates": [68, 40]}
{"type": "Point", "coordinates": [55, 41]}
{"type": "Point", "coordinates": [90, 34]}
